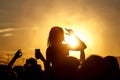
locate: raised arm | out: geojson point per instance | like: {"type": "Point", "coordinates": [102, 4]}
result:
{"type": "Point", "coordinates": [82, 56]}
{"type": "Point", "coordinates": [38, 55]}
{"type": "Point", "coordinates": [80, 47]}
{"type": "Point", "coordinates": [17, 55]}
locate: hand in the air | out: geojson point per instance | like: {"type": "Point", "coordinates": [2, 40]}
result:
{"type": "Point", "coordinates": [18, 54]}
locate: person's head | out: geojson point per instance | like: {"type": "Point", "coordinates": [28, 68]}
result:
{"type": "Point", "coordinates": [56, 35]}
{"type": "Point", "coordinates": [113, 62]}
{"type": "Point", "coordinates": [31, 62]}
{"type": "Point", "coordinates": [94, 67]}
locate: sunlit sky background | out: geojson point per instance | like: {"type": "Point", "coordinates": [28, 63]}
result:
{"type": "Point", "coordinates": [25, 24]}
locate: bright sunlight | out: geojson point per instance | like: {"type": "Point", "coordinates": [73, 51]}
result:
{"type": "Point", "coordinates": [71, 40]}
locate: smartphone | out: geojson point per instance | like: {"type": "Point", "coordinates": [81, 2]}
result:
{"type": "Point", "coordinates": [37, 50]}
{"type": "Point", "coordinates": [38, 54]}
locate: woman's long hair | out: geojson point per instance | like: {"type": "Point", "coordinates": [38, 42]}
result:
{"type": "Point", "coordinates": [56, 35]}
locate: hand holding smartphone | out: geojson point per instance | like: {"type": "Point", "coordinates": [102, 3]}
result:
{"type": "Point", "coordinates": [38, 55]}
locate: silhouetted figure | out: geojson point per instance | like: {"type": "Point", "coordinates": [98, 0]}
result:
{"type": "Point", "coordinates": [113, 63]}
{"type": "Point", "coordinates": [38, 55]}
{"type": "Point", "coordinates": [57, 52]}
{"type": "Point", "coordinates": [95, 68]}
{"type": "Point", "coordinates": [33, 71]}
{"type": "Point", "coordinates": [6, 71]}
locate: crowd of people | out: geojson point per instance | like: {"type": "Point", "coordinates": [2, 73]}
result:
{"type": "Point", "coordinates": [59, 65]}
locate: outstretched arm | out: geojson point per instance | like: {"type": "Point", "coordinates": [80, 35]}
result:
{"type": "Point", "coordinates": [17, 55]}
{"type": "Point", "coordinates": [38, 55]}
{"type": "Point", "coordinates": [81, 45]}
{"type": "Point", "coordinates": [82, 56]}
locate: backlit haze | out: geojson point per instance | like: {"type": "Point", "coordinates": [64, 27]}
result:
{"type": "Point", "coordinates": [25, 24]}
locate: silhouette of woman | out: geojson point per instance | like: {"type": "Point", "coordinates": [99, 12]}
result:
{"type": "Point", "coordinates": [57, 51]}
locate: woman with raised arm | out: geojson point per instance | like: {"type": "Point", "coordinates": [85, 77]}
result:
{"type": "Point", "coordinates": [57, 51]}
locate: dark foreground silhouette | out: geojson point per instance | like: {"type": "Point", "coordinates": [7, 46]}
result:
{"type": "Point", "coordinates": [93, 68]}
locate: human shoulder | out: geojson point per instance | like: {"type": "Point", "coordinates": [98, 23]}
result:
{"type": "Point", "coordinates": [50, 49]}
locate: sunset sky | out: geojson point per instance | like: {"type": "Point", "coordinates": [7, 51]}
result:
{"type": "Point", "coordinates": [25, 24]}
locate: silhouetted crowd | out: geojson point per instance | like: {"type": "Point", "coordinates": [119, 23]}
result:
{"type": "Point", "coordinates": [93, 68]}
{"type": "Point", "coordinates": [59, 65]}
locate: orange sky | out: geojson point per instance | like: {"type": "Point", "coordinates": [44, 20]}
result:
{"type": "Point", "coordinates": [25, 24]}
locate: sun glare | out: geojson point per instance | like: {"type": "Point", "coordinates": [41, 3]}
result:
{"type": "Point", "coordinates": [71, 40]}
{"type": "Point", "coordinates": [75, 54]}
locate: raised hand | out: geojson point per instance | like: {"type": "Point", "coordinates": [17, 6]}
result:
{"type": "Point", "coordinates": [38, 55]}
{"type": "Point", "coordinates": [18, 54]}
{"type": "Point", "coordinates": [70, 31]}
